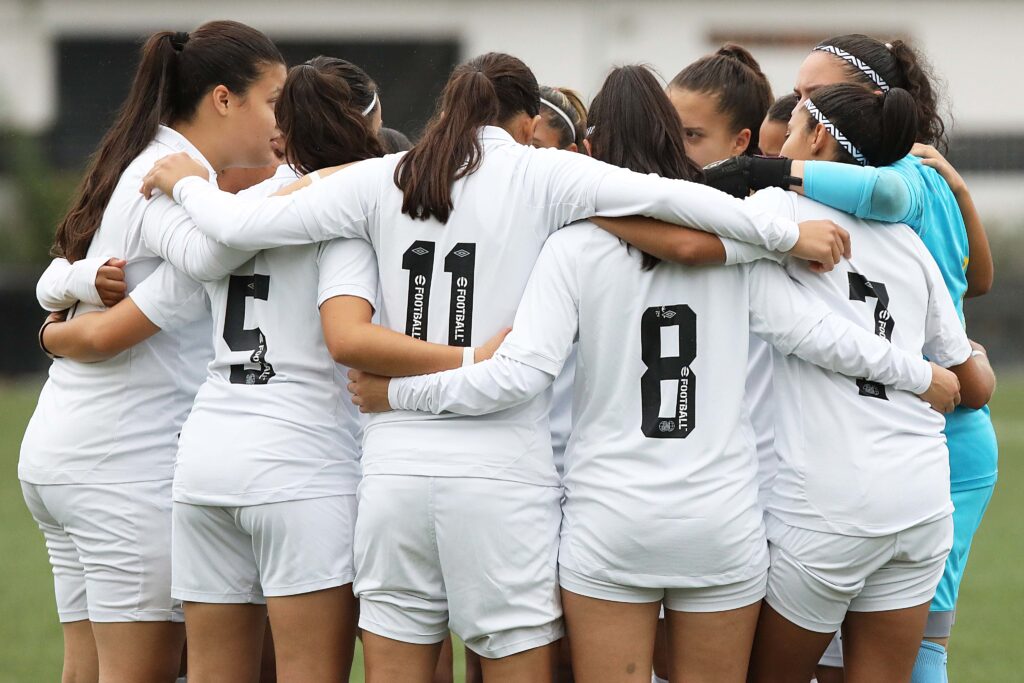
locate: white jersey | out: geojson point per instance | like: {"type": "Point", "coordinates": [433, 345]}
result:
{"type": "Point", "coordinates": [273, 422]}
{"type": "Point", "coordinates": [460, 283]}
{"type": "Point", "coordinates": [118, 420]}
{"type": "Point", "coordinates": [856, 457]}
{"type": "Point", "coordinates": [660, 485]}
{"type": "Point", "coordinates": [761, 407]}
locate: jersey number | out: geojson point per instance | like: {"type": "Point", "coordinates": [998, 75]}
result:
{"type": "Point", "coordinates": [240, 288]}
{"type": "Point", "coordinates": [418, 259]}
{"type": "Point", "coordinates": [862, 289]}
{"type": "Point", "coordinates": [674, 370]}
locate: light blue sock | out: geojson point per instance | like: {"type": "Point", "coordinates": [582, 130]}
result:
{"type": "Point", "coordinates": [930, 666]}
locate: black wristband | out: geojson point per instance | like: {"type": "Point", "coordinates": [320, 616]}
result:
{"type": "Point", "coordinates": [41, 344]}
{"type": "Point", "coordinates": [731, 176]}
{"type": "Point", "coordinates": [771, 172]}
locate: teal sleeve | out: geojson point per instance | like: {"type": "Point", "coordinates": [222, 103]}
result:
{"type": "Point", "coordinates": [880, 194]}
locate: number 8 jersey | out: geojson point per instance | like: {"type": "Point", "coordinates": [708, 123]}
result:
{"type": "Point", "coordinates": [272, 422]}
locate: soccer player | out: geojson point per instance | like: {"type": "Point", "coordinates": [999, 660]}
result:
{"type": "Point", "coordinates": [498, 200]}
{"type": "Point", "coordinates": [773, 128]}
{"type": "Point", "coordinates": [660, 499]}
{"type": "Point", "coordinates": [834, 496]}
{"type": "Point", "coordinates": [721, 100]}
{"type": "Point", "coordinates": [98, 455]}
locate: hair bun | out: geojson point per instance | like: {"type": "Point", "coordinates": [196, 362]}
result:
{"type": "Point", "coordinates": [178, 40]}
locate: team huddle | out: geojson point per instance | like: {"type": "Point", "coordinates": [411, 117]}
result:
{"type": "Point", "coordinates": [650, 389]}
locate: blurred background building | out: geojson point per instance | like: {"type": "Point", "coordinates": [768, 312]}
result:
{"type": "Point", "coordinates": [66, 65]}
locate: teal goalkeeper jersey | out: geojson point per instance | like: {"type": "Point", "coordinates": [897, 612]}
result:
{"type": "Point", "coordinates": [912, 193]}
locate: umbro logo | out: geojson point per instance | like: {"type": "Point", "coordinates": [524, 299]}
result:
{"type": "Point", "coordinates": [420, 251]}
{"type": "Point", "coordinates": [461, 253]}
{"type": "Point", "coordinates": [668, 314]}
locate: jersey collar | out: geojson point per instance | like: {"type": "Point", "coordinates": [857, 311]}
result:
{"type": "Point", "coordinates": [496, 133]}
{"type": "Point", "coordinates": [179, 143]}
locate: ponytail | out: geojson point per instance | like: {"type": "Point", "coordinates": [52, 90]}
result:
{"type": "Point", "coordinates": [487, 90]}
{"type": "Point", "coordinates": [743, 92]}
{"type": "Point", "coordinates": [881, 66]}
{"type": "Point", "coordinates": [871, 128]}
{"type": "Point", "coordinates": [175, 71]}
{"type": "Point", "coordinates": [321, 120]}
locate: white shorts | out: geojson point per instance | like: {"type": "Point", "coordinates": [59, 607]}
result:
{"type": "Point", "coordinates": [109, 547]}
{"type": "Point", "coordinates": [816, 577]}
{"type": "Point", "coordinates": [475, 555]}
{"type": "Point", "coordinates": [696, 599]}
{"type": "Point", "coordinates": [246, 554]}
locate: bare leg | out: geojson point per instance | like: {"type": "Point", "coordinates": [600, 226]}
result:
{"type": "Point", "coordinates": [474, 672]}
{"type": "Point", "coordinates": [81, 664]}
{"type": "Point", "coordinates": [268, 663]}
{"type": "Point", "coordinates": [563, 671]}
{"type": "Point", "coordinates": [783, 652]}
{"type": "Point", "coordinates": [661, 653]}
{"type": "Point", "coordinates": [390, 661]}
{"type": "Point", "coordinates": [711, 647]}
{"type": "Point", "coordinates": [444, 672]}
{"type": "Point", "coordinates": [611, 641]}
{"type": "Point", "coordinates": [829, 674]}
{"type": "Point", "coordinates": [882, 646]}
{"type": "Point", "coordinates": [314, 635]}
{"type": "Point", "coordinates": [532, 666]}
{"type": "Point", "coordinates": [143, 651]}
{"type": "Point", "coordinates": [225, 642]}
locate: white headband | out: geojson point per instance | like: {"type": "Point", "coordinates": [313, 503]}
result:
{"type": "Point", "coordinates": [371, 105]}
{"type": "Point", "coordinates": [565, 117]}
{"type": "Point", "coordinates": [843, 141]}
{"type": "Point", "coordinates": [859, 64]}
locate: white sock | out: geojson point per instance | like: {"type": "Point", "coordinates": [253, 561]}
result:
{"type": "Point", "coordinates": [655, 679]}
{"type": "Point", "coordinates": [181, 680]}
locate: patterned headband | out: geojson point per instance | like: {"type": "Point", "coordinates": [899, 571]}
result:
{"type": "Point", "coordinates": [858, 63]}
{"type": "Point", "coordinates": [843, 141]}
{"type": "Point", "coordinates": [558, 110]}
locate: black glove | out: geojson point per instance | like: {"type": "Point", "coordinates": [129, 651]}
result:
{"type": "Point", "coordinates": [739, 176]}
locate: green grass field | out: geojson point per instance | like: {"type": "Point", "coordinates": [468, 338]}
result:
{"type": "Point", "coordinates": [985, 646]}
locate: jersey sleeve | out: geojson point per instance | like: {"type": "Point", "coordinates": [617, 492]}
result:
{"type": "Point", "coordinates": [170, 233]}
{"type": "Point", "coordinates": [495, 384]}
{"type": "Point", "coordinates": [547, 319]}
{"type": "Point", "coordinates": [771, 201]}
{"type": "Point", "coordinates": [341, 205]}
{"type": "Point", "coordinates": [63, 283]}
{"type": "Point", "coordinates": [348, 267]}
{"type": "Point", "coordinates": [881, 194]}
{"type": "Point", "coordinates": [793, 320]}
{"type": "Point", "coordinates": [945, 341]}
{"type": "Point", "coordinates": [169, 298]}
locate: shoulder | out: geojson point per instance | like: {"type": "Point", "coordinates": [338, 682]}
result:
{"type": "Point", "coordinates": [774, 200]}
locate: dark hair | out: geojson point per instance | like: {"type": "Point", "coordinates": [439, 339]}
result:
{"type": "Point", "coordinates": [636, 127]}
{"type": "Point", "coordinates": [782, 109]}
{"type": "Point", "coordinates": [320, 120]}
{"type": "Point", "coordinates": [735, 78]}
{"type": "Point", "coordinates": [393, 140]}
{"type": "Point", "coordinates": [487, 90]}
{"type": "Point", "coordinates": [175, 71]}
{"type": "Point", "coordinates": [900, 66]}
{"type": "Point", "coordinates": [880, 126]}
{"type": "Point", "coordinates": [570, 104]}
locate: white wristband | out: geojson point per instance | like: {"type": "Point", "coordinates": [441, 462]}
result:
{"type": "Point", "coordinates": [468, 356]}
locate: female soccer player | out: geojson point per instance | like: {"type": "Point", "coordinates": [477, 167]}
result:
{"type": "Point", "coordinates": [834, 495]}
{"type": "Point", "coordinates": [944, 216]}
{"type": "Point", "coordinates": [483, 561]}
{"type": "Point", "coordinates": [722, 100]}
{"type": "Point", "coordinates": [660, 500]}
{"type": "Point", "coordinates": [773, 129]}
{"type": "Point", "coordinates": [98, 455]}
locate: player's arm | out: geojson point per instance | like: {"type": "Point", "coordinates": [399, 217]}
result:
{"type": "Point", "coordinates": [97, 281]}
{"type": "Point", "coordinates": [980, 270]}
{"type": "Point", "coordinates": [166, 299]}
